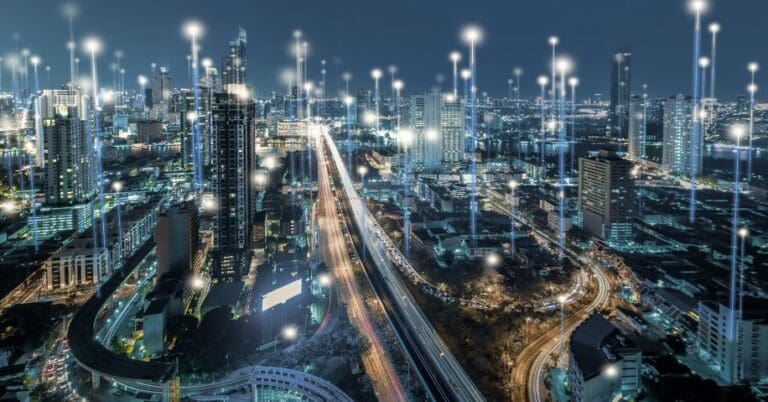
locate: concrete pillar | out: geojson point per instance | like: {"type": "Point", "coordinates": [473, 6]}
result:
{"type": "Point", "coordinates": [95, 380]}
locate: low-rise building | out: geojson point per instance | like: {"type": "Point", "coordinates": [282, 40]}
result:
{"type": "Point", "coordinates": [77, 263]}
{"type": "Point", "coordinates": [603, 363]}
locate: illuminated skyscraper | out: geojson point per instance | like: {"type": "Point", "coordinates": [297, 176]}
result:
{"type": "Point", "coordinates": [452, 129]}
{"type": "Point", "coordinates": [67, 148]}
{"type": "Point", "coordinates": [234, 65]}
{"type": "Point", "coordinates": [637, 127]}
{"type": "Point", "coordinates": [678, 136]}
{"type": "Point", "coordinates": [618, 114]}
{"type": "Point", "coordinates": [161, 88]}
{"type": "Point", "coordinates": [425, 123]}
{"type": "Point", "coordinates": [232, 154]}
{"type": "Point", "coordinates": [606, 197]}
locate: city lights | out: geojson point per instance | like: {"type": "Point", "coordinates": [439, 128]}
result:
{"type": "Point", "coordinates": [567, 202]}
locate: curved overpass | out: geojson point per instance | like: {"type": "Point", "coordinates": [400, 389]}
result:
{"type": "Point", "coordinates": [257, 378]}
{"type": "Point", "coordinates": [90, 353]}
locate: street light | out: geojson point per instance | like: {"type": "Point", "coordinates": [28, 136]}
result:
{"type": "Point", "coordinates": [455, 59]}
{"type": "Point", "coordinates": [512, 187]}
{"type": "Point", "coordinates": [193, 30]}
{"type": "Point", "coordinates": [562, 300]}
{"type": "Point", "coordinates": [472, 35]}
{"type": "Point", "coordinates": [743, 233]}
{"type": "Point", "coordinates": [752, 67]}
{"type": "Point", "coordinates": [376, 75]}
{"type": "Point", "coordinates": [324, 279]}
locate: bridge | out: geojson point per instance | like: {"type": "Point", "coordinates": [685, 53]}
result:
{"type": "Point", "coordinates": [441, 373]}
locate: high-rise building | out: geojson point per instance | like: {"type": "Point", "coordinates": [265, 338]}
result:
{"type": "Point", "coordinates": [452, 129]}
{"type": "Point", "coordinates": [67, 147]}
{"type": "Point", "coordinates": [637, 127]}
{"type": "Point", "coordinates": [425, 123]}
{"type": "Point", "coordinates": [234, 65]}
{"type": "Point", "coordinates": [606, 197]}
{"type": "Point", "coordinates": [678, 153]}
{"type": "Point", "coordinates": [177, 239]}
{"type": "Point", "coordinates": [161, 88]}
{"type": "Point", "coordinates": [363, 105]}
{"type": "Point", "coordinates": [232, 153]}
{"type": "Point", "coordinates": [618, 113]}
{"type": "Point", "coordinates": [745, 358]}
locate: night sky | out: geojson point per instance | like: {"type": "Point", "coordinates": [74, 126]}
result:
{"type": "Point", "coordinates": [416, 35]}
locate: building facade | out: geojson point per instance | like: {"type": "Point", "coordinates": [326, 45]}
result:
{"type": "Point", "coordinates": [232, 157]}
{"type": "Point", "coordinates": [637, 127]}
{"type": "Point", "coordinates": [744, 359]}
{"type": "Point", "coordinates": [679, 153]}
{"type": "Point", "coordinates": [606, 197]}
{"type": "Point", "coordinates": [602, 363]}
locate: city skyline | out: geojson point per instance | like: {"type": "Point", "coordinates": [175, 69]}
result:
{"type": "Point", "coordinates": [657, 30]}
{"type": "Point", "coordinates": [260, 222]}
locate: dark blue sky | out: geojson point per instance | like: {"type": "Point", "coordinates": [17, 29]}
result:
{"type": "Point", "coordinates": [416, 35]}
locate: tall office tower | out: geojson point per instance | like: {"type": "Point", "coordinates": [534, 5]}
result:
{"type": "Point", "coordinates": [618, 113]}
{"type": "Point", "coordinates": [677, 155]}
{"type": "Point", "coordinates": [232, 153]}
{"type": "Point", "coordinates": [161, 87]}
{"type": "Point", "coordinates": [177, 239]}
{"type": "Point", "coordinates": [234, 65]}
{"type": "Point", "coordinates": [67, 156]}
{"type": "Point", "coordinates": [606, 197]}
{"type": "Point", "coordinates": [209, 84]}
{"type": "Point", "coordinates": [362, 106]}
{"type": "Point", "coordinates": [425, 123]}
{"type": "Point", "coordinates": [637, 127]}
{"type": "Point", "coordinates": [452, 129]}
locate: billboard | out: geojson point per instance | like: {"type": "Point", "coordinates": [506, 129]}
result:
{"type": "Point", "coordinates": [281, 295]}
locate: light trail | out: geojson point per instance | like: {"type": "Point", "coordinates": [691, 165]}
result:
{"type": "Point", "coordinates": [335, 253]}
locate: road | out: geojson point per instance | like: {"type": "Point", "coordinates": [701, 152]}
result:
{"type": "Point", "coordinates": [334, 252]}
{"type": "Point", "coordinates": [529, 370]}
{"type": "Point", "coordinates": [443, 376]}
{"type": "Point", "coordinates": [536, 388]}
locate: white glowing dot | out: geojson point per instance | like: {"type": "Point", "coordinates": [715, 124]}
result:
{"type": "Point", "coordinates": [455, 57]}
{"type": "Point", "coordinates": [472, 34]}
{"type": "Point", "coordinates": [376, 73]}
{"type": "Point", "coordinates": [738, 131]}
{"type": "Point", "coordinates": [290, 332]}
{"type": "Point", "coordinates": [193, 29]}
{"type": "Point", "coordinates": [405, 136]}
{"type": "Point", "coordinates": [93, 45]}
{"type": "Point", "coordinates": [697, 6]}
{"type": "Point", "coordinates": [543, 80]}
{"type": "Point", "coordinates": [431, 134]}
{"type": "Point", "coordinates": [324, 279]}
